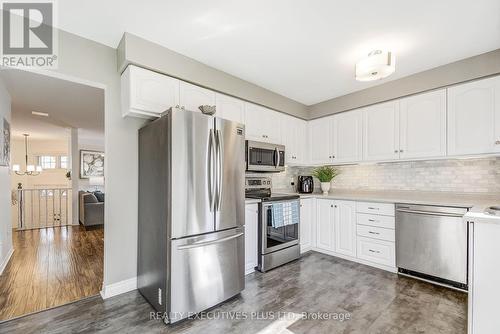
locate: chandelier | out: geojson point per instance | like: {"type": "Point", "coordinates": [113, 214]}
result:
{"type": "Point", "coordinates": [31, 170]}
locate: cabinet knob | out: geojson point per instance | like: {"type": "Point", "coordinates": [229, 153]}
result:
{"type": "Point", "coordinates": [497, 142]}
{"type": "Point", "coordinates": [335, 205]}
{"type": "Point", "coordinates": [333, 157]}
{"type": "Point", "coordinates": [400, 151]}
{"type": "Point", "coordinates": [331, 206]}
{"type": "Point", "coordinates": [396, 151]}
{"type": "Point", "coordinates": [330, 157]}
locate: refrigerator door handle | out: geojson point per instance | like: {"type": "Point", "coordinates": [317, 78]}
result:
{"type": "Point", "coordinates": [220, 164]}
{"type": "Point", "coordinates": [211, 242]}
{"type": "Point", "coordinates": [210, 170]}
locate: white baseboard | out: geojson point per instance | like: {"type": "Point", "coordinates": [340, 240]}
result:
{"type": "Point", "coordinates": [118, 288]}
{"type": "Point", "coordinates": [6, 260]}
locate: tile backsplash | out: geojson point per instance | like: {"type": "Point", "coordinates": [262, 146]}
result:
{"type": "Point", "coordinates": [480, 175]}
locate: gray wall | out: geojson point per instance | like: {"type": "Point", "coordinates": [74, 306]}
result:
{"type": "Point", "coordinates": [135, 50]}
{"type": "Point", "coordinates": [88, 60]}
{"type": "Point", "coordinates": [5, 200]}
{"type": "Point", "coordinates": [464, 70]}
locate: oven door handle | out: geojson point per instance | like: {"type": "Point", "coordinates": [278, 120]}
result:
{"type": "Point", "coordinates": [430, 213]}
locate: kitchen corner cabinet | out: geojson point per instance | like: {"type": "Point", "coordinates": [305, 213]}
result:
{"type": "Point", "coordinates": [345, 227]}
{"type": "Point", "coordinates": [306, 224]}
{"type": "Point", "coordinates": [423, 125]}
{"type": "Point", "coordinates": [262, 124]}
{"type": "Point", "coordinates": [294, 137]}
{"type": "Point", "coordinates": [230, 108]}
{"type": "Point", "coordinates": [251, 237]}
{"type": "Point", "coordinates": [381, 132]}
{"type": "Point", "coordinates": [347, 137]}
{"type": "Point", "coordinates": [192, 97]}
{"type": "Point", "coordinates": [147, 94]}
{"type": "Point", "coordinates": [474, 117]}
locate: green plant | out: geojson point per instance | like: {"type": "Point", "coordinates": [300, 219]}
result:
{"type": "Point", "coordinates": [325, 173]}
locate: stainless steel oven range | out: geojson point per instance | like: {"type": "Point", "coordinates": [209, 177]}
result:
{"type": "Point", "coordinates": [279, 219]}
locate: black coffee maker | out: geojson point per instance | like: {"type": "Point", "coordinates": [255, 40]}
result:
{"type": "Point", "coordinates": [305, 184]}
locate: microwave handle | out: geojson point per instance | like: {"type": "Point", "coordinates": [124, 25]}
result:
{"type": "Point", "coordinates": [277, 152]}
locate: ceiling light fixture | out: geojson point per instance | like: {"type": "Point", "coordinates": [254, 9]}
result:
{"type": "Point", "coordinates": [31, 170]}
{"type": "Point", "coordinates": [378, 65]}
{"type": "Point", "coordinates": [38, 113]}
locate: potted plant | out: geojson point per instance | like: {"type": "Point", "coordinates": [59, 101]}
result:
{"type": "Point", "coordinates": [325, 175]}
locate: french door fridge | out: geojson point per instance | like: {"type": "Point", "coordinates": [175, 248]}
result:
{"type": "Point", "coordinates": [191, 212]}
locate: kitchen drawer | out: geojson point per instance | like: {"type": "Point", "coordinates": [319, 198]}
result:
{"type": "Point", "coordinates": [386, 209]}
{"type": "Point", "coordinates": [377, 251]}
{"type": "Point", "coordinates": [376, 233]}
{"type": "Point", "coordinates": [376, 220]}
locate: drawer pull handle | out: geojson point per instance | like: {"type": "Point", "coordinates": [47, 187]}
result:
{"type": "Point", "coordinates": [372, 208]}
{"type": "Point", "coordinates": [374, 251]}
{"type": "Point", "coordinates": [372, 220]}
{"type": "Point", "coordinates": [371, 232]}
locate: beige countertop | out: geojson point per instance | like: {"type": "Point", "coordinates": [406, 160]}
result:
{"type": "Point", "coordinates": [474, 201]}
{"type": "Point", "coordinates": [251, 200]}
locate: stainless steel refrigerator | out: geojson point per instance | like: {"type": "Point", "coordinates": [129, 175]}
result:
{"type": "Point", "coordinates": [191, 212]}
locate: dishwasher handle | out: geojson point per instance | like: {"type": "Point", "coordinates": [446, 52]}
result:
{"type": "Point", "coordinates": [430, 213]}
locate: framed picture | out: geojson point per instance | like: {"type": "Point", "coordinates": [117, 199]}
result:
{"type": "Point", "coordinates": [5, 143]}
{"type": "Point", "coordinates": [91, 164]}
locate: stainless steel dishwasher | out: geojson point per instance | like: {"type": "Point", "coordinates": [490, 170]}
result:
{"type": "Point", "coordinates": [431, 243]}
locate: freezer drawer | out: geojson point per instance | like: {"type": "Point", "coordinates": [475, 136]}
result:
{"type": "Point", "coordinates": [206, 270]}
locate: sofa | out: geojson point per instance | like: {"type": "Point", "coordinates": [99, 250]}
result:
{"type": "Point", "coordinates": [91, 208]}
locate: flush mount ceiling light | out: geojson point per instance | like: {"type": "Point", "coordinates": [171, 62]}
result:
{"type": "Point", "coordinates": [378, 65]}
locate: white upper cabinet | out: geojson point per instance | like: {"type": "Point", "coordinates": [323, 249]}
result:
{"type": "Point", "coordinates": [230, 108]}
{"type": "Point", "coordinates": [347, 137]}
{"type": "Point", "coordinates": [294, 137]}
{"type": "Point", "coordinates": [262, 124]}
{"type": "Point", "coordinates": [320, 134]}
{"type": "Point", "coordinates": [325, 237]}
{"type": "Point", "coordinates": [381, 132]}
{"type": "Point", "coordinates": [345, 227]}
{"type": "Point", "coordinates": [192, 97]}
{"type": "Point", "coordinates": [423, 125]}
{"type": "Point", "coordinates": [147, 94]}
{"type": "Point", "coordinates": [474, 117]}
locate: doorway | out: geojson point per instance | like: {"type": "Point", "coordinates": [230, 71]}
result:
{"type": "Point", "coordinates": [55, 173]}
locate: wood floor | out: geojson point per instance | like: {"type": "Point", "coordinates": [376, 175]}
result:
{"type": "Point", "coordinates": [377, 301]}
{"type": "Point", "coordinates": [51, 267]}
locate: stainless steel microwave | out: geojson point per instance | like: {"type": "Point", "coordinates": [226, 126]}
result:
{"type": "Point", "coordinates": [264, 157]}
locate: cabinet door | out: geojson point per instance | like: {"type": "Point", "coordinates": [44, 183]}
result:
{"type": "Point", "coordinates": [262, 124]}
{"type": "Point", "coordinates": [306, 224]}
{"type": "Point", "coordinates": [381, 132]}
{"type": "Point", "coordinates": [423, 125]}
{"type": "Point", "coordinates": [325, 224]}
{"type": "Point", "coordinates": [191, 97]}
{"type": "Point", "coordinates": [347, 137]}
{"type": "Point", "coordinates": [146, 93]}
{"type": "Point", "coordinates": [345, 227]}
{"type": "Point", "coordinates": [293, 132]}
{"type": "Point", "coordinates": [230, 108]}
{"type": "Point", "coordinates": [319, 140]}
{"type": "Point", "coordinates": [251, 237]}
{"type": "Point", "coordinates": [474, 117]}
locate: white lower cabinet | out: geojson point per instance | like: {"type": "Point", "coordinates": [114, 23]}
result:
{"type": "Point", "coordinates": [345, 227]}
{"type": "Point", "coordinates": [251, 237]}
{"type": "Point", "coordinates": [306, 224]}
{"type": "Point", "coordinates": [377, 251]}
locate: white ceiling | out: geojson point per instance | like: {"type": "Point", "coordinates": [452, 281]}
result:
{"type": "Point", "coordinates": [305, 50]}
{"type": "Point", "coordinates": [68, 104]}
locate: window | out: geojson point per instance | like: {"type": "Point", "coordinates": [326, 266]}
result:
{"type": "Point", "coordinates": [63, 162]}
{"type": "Point", "coordinates": [47, 161]}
